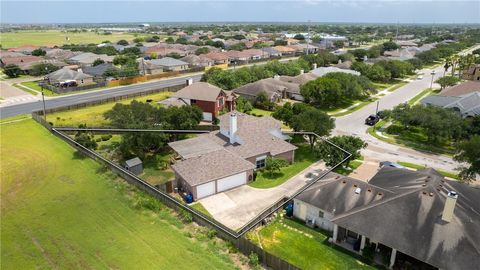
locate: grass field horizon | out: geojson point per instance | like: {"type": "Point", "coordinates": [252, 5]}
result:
{"type": "Point", "coordinates": [57, 37]}
{"type": "Point", "coordinates": [60, 210]}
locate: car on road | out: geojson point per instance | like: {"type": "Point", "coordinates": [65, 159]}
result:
{"type": "Point", "coordinates": [420, 77]}
{"type": "Point", "coordinates": [372, 119]}
{"type": "Point", "coordinates": [391, 164]}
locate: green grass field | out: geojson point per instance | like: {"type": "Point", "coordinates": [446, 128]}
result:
{"type": "Point", "coordinates": [63, 211]}
{"type": "Point", "coordinates": [304, 157]}
{"type": "Point", "coordinates": [54, 37]}
{"type": "Point", "coordinates": [93, 116]}
{"type": "Point", "coordinates": [304, 247]}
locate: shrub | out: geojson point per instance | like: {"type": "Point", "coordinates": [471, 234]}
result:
{"type": "Point", "coordinates": [106, 137]}
{"type": "Point", "coordinates": [253, 260]}
{"type": "Point", "coordinates": [185, 216]}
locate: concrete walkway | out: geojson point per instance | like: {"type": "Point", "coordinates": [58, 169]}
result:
{"type": "Point", "coordinates": [236, 207]}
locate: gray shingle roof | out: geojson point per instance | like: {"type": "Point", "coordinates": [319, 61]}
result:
{"type": "Point", "coordinates": [167, 62]}
{"type": "Point", "coordinates": [133, 162]}
{"type": "Point", "coordinates": [437, 100]}
{"type": "Point", "coordinates": [194, 146]}
{"type": "Point", "coordinates": [214, 165]}
{"type": "Point", "coordinates": [322, 71]}
{"type": "Point", "coordinates": [270, 86]}
{"type": "Point", "coordinates": [410, 220]}
{"type": "Point", "coordinates": [64, 74]}
{"type": "Point", "coordinates": [299, 79]}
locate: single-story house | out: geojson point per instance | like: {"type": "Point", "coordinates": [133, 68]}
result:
{"type": "Point", "coordinates": [299, 79]}
{"type": "Point", "coordinates": [60, 54]}
{"type": "Point", "coordinates": [284, 50]}
{"type": "Point", "coordinates": [271, 52]}
{"type": "Point", "coordinates": [304, 48]}
{"type": "Point", "coordinates": [156, 66]}
{"type": "Point", "coordinates": [468, 105]}
{"type": "Point", "coordinates": [25, 49]}
{"type": "Point", "coordinates": [257, 54]}
{"type": "Point", "coordinates": [198, 60]}
{"type": "Point", "coordinates": [24, 62]}
{"type": "Point", "coordinates": [98, 70]}
{"type": "Point", "coordinates": [6, 54]}
{"type": "Point", "coordinates": [134, 166]}
{"type": "Point", "coordinates": [461, 89]}
{"type": "Point", "coordinates": [211, 99]}
{"type": "Point", "coordinates": [274, 88]}
{"type": "Point", "coordinates": [224, 159]}
{"type": "Point", "coordinates": [237, 56]}
{"type": "Point", "coordinates": [473, 73]}
{"type": "Point", "coordinates": [218, 57]}
{"type": "Point", "coordinates": [65, 75]}
{"type": "Point", "coordinates": [88, 58]}
{"type": "Point", "coordinates": [409, 216]}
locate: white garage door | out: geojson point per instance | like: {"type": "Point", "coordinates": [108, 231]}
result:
{"type": "Point", "coordinates": [232, 181]}
{"type": "Point", "coordinates": [207, 116]}
{"type": "Point", "coordinates": [205, 190]}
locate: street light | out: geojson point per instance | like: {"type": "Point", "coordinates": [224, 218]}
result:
{"type": "Point", "coordinates": [433, 75]}
{"type": "Point", "coordinates": [43, 95]}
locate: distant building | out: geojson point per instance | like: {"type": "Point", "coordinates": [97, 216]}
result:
{"type": "Point", "coordinates": [134, 166]}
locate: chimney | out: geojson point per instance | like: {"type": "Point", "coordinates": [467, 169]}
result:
{"type": "Point", "coordinates": [189, 81]}
{"type": "Point", "coordinates": [314, 65]}
{"type": "Point", "coordinates": [233, 127]}
{"type": "Point", "coordinates": [302, 71]}
{"type": "Point", "coordinates": [449, 206]}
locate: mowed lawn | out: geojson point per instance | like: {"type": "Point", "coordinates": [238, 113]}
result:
{"type": "Point", "coordinates": [55, 37]}
{"type": "Point", "coordinates": [93, 115]}
{"type": "Point", "coordinates": [304, 247]}
{"type": "Point", "coordinates": [62, 211]}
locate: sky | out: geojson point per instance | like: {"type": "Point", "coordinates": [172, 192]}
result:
{"type": "Point", "coordinates": [350, 11]}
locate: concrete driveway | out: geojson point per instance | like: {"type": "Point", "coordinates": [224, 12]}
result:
{"type": "Point", "coordinates": [236, 207]}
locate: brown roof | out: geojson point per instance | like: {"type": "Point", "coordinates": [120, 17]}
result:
{"type": "Point", "coordinates": [284, 49]}
{"type": "Point", "coordinates": [461, 89]}
{"type": "Point", "coordinates": [199, 91]}
{"type": "Point", "coordinates": [197, 60]}
{"type": "Point", "coordinates": [259, 135]}
{"type": "Point", "coordinates": [217, 56]}
{"type": "Point", "coordinates": [237, 54]}
{"type": "Point", "coordinates": [270, 86]}
{"type": "Point", "coordinates": [23, 62]}
{"type": "Point", "coordinates": [299, 79]}
{"type": "Point", "coordinates": [214, 165]}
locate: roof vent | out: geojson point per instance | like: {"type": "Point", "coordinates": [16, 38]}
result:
{"type": "Point", "coordinates": [369, 190]}
{"type": "Point", "coordinates": [344, 181]}
{"type": "Point", "coordinates": [424, 193]}
{"type": "Point", "coordinates": [357, 190]}
{"type": "Point", "coordinates": [430, 194]}
{"type": "Point", "coordinates": [380, 194]}
{"type": "Point", "coordinates": [355, 185]}
{"type": "Point", "coordinates": [424, 185]}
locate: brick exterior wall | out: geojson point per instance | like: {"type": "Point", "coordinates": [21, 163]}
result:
{"type": "Point", "coordinates": [214, 107]}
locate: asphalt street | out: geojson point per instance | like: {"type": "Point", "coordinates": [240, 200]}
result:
{"type": "Point", "coordinates": [55, 102]}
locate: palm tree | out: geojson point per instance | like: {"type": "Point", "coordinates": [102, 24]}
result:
{"type": "Point", "coordinates": [454, 60]}
{"type": "Point", "coordinates": [448, 63]}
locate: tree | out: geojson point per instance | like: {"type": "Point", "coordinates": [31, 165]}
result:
{"type": "Point", "coordinates": [280, 42]}
{"type": "Point", "coordinates": [85, 139]}
{"type": "Point", "coordinates": [243, 105]}
{"type": "Point", "coordinates": [262, 102]}
{"type": "Point", "coordinates": [390, 46]}
{"type": "Point", "coordinates": [323, 92]}
{"type": "Point", "coordinates": [138, 40]}
{"type": "Point", "coordinates": [299, 37]}
{"type": "Point", "coordinates": [238, 46]}
{"type": "Point", "coordinates": [313, 120]}
{"type": "Point", "coordinates": [174, 55]}
{"type": "Point", "coordinates": [181, 40]}
{"type": "Point", "coordinates": [153, 55]}
{"type": "Point", "coordinates": [469, 152]}
{"type": "Point", "coordinates": [338, 43]}
{"type": "Point", "coordinates": [122, 42]}
{"type": "Point", "coordinates": [446, 81]}
{"type": "Point", "coordinates": [273, 165]}
{"type": "Point", "coordinates": [12, 70]}
{"type": "Point", "coordinates": [170, 40]}
{"type": "Point", "coordinates": [132, 51]}
{"type": "Point", "coordinates": [202, 50]}
{"type": "Point", "coordinates": [42, 69]}
{"type": "Point", "coordinates": [120, 60]}
{"type": "Point", "coordinates": [39, 52]}
{"type": "Point", "coordinates": [97, 62]}
{"type": "Point", "coordinates": [333, 155]}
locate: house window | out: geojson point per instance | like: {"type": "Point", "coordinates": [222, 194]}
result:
{"type": "Point", "coordinates": [193, 101]}
{"type": "Point", "coordinates": [320, 214]}
{"type": "Point", "coordinates": [260, 163]}
{"type": "Point", "coordinates": [220, 102]}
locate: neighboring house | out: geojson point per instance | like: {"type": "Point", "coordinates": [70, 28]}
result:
{"type": "Point", "coordinates": [237, 56]}
{"type": "Point", "coordinates": [6, 54]}
{"type": "Point", "coordinates": [467, 105]}
{"type": "Point", "coordinates": [322, 71]}
{"type": "Point", "coordinates": [211, 99]}
{"type": "Point", "coordinates": [221, 160]}
{"type": "Point", "coordinates": [271, 52]}
{"type": "Point", "coordinates": [274, 88]}
{"type": "Point", "coordinates": [257, 54]}
{"type": "Point", "coordinates": [284, 50]}
{"type": "Point", "coordinates": [343, 65]}
{"type": "Point", "coordinates": [217, 57]}
{"type": "Point", "coordinates": [25, 49]}
{"type": "Point", "coordinates": [60, 54]}
{"type": "Point", "coordinates": [67, 76]}
{"type": "Point", "coordinates": [299, 79]}
{"type": "Point", "coordinates": [20, 61]}
{"type": "Point", "coordinates": [463, 98]}
{"type": "Point", "coordinates": [166, 64]}
{"type": "Point", "coordinates": [198, 60]}
{"type": "Point", "coordinates": [98, 70]}
{"type": "Point", "coordinates": [400, 54]}
{"type": "Point", "coordinates": [88, 58]}
{"type": "Point", "coordinates": [406, 43]}
{"type": "Point", "coordinates": [473, 73]}
{"type": "Point", "coordinates": [134, 166]}
{"type": "Point", "coordinates": [415, 216]}
{"type": "Point", "coordinates": [304, 48]}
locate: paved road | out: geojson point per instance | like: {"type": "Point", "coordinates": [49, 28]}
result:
{"type": "Point", "coordinates": [26, 108]}
{"type": "Point", "coordinates": [379, 150]}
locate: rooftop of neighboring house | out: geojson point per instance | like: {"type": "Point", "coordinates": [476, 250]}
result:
{"type": "Point", "coordinates": [193, 59]}
{"type": "Point", "coordinates": [88, 58]}
{"type": "Point", "coordinates": [343, 65]}
{"type": "Point", "coordinates": [299, 79]}
{"type": "Point", "coordinates": [463, 88]}
{"type": "Point", "coordinates": [472, 69]}
{"type": "Point", "coordinates": [322, 71]}
{"type": "Point", "coordinates": [65, 74]}
{"type": "Point", "coordinates": [201, 91]}
{"type": "Point", "coordinates": [97, 70]}
{"type": "Point", "coordinates": [238, 54]}
{"type": "Point", "coordinates": [271, 86]}
{"type": "Point", "coordinates": [410, 218]}
{"type": "Point", "coordinates": [217, 56]}
{"type": "Point", "coordinates": [24, 48]}
{"type": "Point", "coordinates": [60, 54]}
{"type": "Point", "coordinates": [167, 62]}
{"type": "Point", "coordinates": [23, 62]}
{"type": "Point", "coordinates": [5, 54]}
{"type": "Point", "coordinates": [284, 49]}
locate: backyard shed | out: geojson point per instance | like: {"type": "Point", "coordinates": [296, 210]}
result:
{"type": "Point", "coordinates": [134, 165]}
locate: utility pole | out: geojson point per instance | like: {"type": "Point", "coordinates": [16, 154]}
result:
{"type": "Point", "coordinates": [433, 75]}
{"type": "Point", "coordinates": [308, 35]}
{"type": "Point", "coordinates": [376, 110]}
